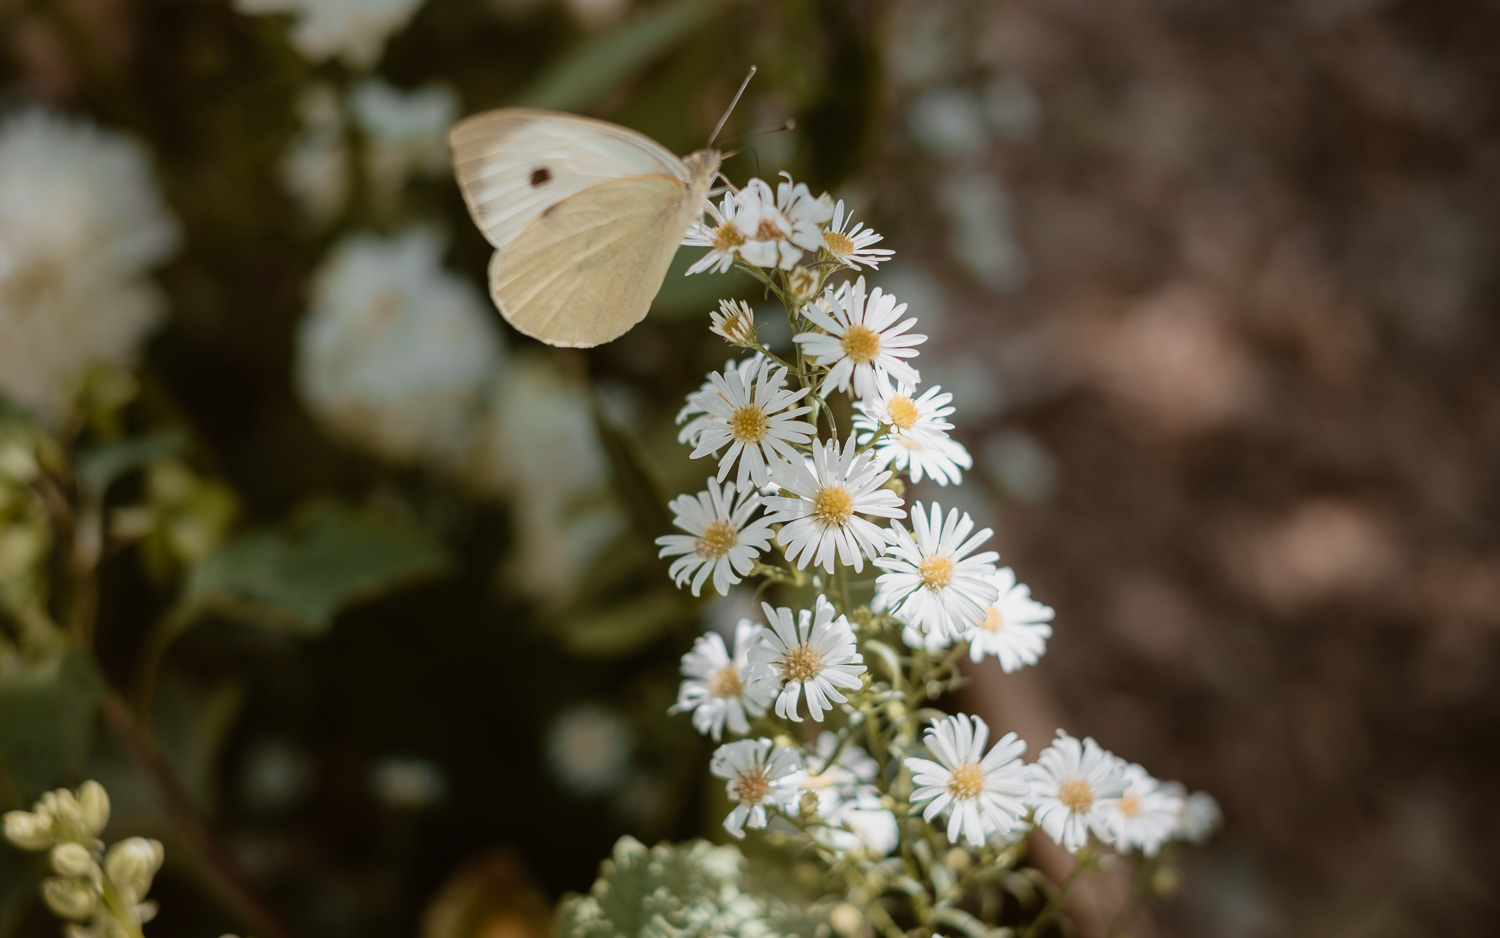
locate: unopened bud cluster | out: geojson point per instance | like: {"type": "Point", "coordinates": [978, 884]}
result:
{"type": "Point", "coordinates": [100, 893]}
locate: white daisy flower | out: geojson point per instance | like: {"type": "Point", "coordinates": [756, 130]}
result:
{"type": "Point", "coordinates": [862, 339]}
{"type": "Point", "coordinates": [982, 793]}
{"type": "Point", "coordinates": [715, 686]}
{"type": "Point", "coordinates": [589, 749]}
{"type": "Point", "coordinates": [354, 31]}
{"type": "Point", "coordinates": [751, 412]}
{"type": "Point", "coordinates": [807, 213]}
{"type": "Point", "coordinates": [916, 432]}
{"type": "Point", "coordinates": [734, 321]}
{"type": "Point", "coordinates": [1145, 816]}
{"type": "Point", "coordinates": [758, 775]}
{"type": "Point", "coordinates": [812, 653]}
{"type": "Point", "coordinates": [852, 247]}
{"type": "Point", "coordinates": [1073, 785]}
{"type": "Point", "coordinates": [931, 582]}
{"type": "Point", "coordinates": [1014, 629]}
{"type": "Point", "coordinates": [1198, 814]}
{"type": "Point", "coordinates": [692, 417]}
{"type": "Point", "coordinates": [850, 808]}
{"type": "Point", "coordinates": [721, 538]}
{"type": "Point", "coordinates": [829, 492]}
{"type": "Point", "coordinates": [734, 221]}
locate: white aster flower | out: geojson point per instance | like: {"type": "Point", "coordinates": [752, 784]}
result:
{"type": "Point", "coordinates": [862, 341]}
{"type": "Point", "coordinates": [315, 166]}
{"type": "Point", "coordinates": [982, 793]}
{"type": "Point", "coordinates": [813, 653]}
{"type": "Point", "coordinates": [405, 132]}
{"type": "Point", "coordinates": [1014, 628]}
{"type": "Point", "coordinates": [721, 538]}
{"type": "Point", "coordinates": [589, 749]}
{"type": "Point", "coordinates": [1145, 816]}
{"type": "Point", "coordinates": [1198, 814]}
{"type": "Point", "coordinates": [81, 222]}
{"type": "Point", "coordinates": [716, 687]}
{"type": "Point", "coordinates": [850, 807]}
{"type": "Point", "coordinates": [1073, 785]}
{"type": "Point", "coordinates": [916, 432]}
{"type": "Point", "coordinates": [692, 418]}
{"type": "Point", "coordinates": [735, 322]}
{"type": "Point", "coordinates": [852, 247]}
{"type": "Point", "coordinates": [732, 225]}
{"type": "Point", "coordinates": [396, 352]}
{"type": "Point", "coordinates": [931, 581]}
{"type": "Point", "coordinates": [758, 774]}
{"type": "Point", "coordinates": [770, 232]}
{"type": "Point", "coordinates": [807, 213]}
{"type": "Point", "coordinates": [352, 30]}
{"type": "Point", "coordinates": [821, 518]}
{"type": "Point", "coordinates": [750, 411]}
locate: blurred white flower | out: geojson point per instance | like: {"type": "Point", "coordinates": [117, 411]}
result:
{"type": "Point", "coordinates": [395, 352]}
{"type": "Point", "coordinates": [405, 132]}
{"type": "Point", "coordinates": [352, 30]}
{"type": "Point", "coordinates": [589, 748]}
{"type": "Point", "coordinates": [948, 122]}
{"type": "Point", "coordinates": [757, 774]}
{"type": "Point", "coordinates": [1146, 815]}
{"type": "Point", "coordinates": [982, 793]}
{"type": "Point", "coordinates": [81, 220]}
{"type": "Point", "coordinates": [862, 342]}
{"type": "Point", "coordinates": [813, 653]}
{"type": "Point", "coordinates": [408, 783]}
{"type": "Point", "coordinates": [983, 237]}
{"type": "Point", "coordinates": [721, 538]}
{"type": "Point", "coordinates": [1014, 628]}
{"type": "Point", "coordinates": [1198, 814]}
{"type": "Point", "coordinates": [821, 515]}
{"type": "Point", "coordinates": [717, 688]}
{"type": "Point", "coordinates": [931, 581]}
{"type": "Point", "coordinates": [315, 166]}
{"type": "Point", "coordinates": [539, 445]}
{"type": "Point", "coordinates": [850, 807]}
{"type": "Point", "coordinates": [1073, 786]}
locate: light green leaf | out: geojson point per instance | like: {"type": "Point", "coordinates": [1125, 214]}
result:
{"type": "Point", "coordinates": [326, 558]}
{"type": "Point", "coordinates": [47, 711]}
{"type": "Point", "coordinates": [600, 65]}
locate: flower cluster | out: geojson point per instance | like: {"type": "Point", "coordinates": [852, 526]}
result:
{"type": "Point", "coordinates": [864, 659]}
{"type": "Point", "coordinates": [101, 893]}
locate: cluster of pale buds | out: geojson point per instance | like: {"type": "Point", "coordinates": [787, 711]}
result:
{"type": "Point", "coordinates": [100, 893]}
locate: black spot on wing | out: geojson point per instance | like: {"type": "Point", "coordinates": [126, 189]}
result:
{"type": "Point", "coordinates": [540, 176]}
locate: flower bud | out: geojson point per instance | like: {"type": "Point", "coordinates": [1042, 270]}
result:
{"type": "Point", "coordinates": [28, 831]}
{"type": "Point", "coordinates": [73, 860]}
{"type": "Point", "coordinates": [808, 806]}
{"type": "Point", "coordinates": [93, 809]}
{"type": "Point", "coordinates": [846, 918]}
{"type": "Point", "coordinates": [71, 899]}
{"type": "Point", "coordinates": [804, 286]}
{"type": "Point", "coordinates": [132, 864]}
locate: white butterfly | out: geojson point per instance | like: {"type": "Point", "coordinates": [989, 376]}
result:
{"type": "Point", "coordinates": [585, 217]}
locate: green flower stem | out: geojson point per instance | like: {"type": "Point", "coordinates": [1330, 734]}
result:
{"type": "Point", "coordinates": [1085, 862]}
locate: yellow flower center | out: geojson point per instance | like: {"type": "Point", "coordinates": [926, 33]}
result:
{"type": "Point", "coordinates": [966, 782]}
{"type": "Point", "coordinates": [993, 620]}
{"type": "Point", "coordinates": [833, 506]}
{"type": "Point", "coordinates": [1076, 795]}
{"type": "Point", "coordinates": [1130, 806]}
{"type": "Point", "coordinates": [727, 237]}
{"type": "Point", "coordinates": [861, 344]}
{"type": "Point", "coordinates": [801, 664]}
{"type": "Point", "coordinates": [838, 242]}
{"type": "Point", "coordinates": [726, 682]}
{"type": "Point", "coordinates": [717, 539]}
{"type": "Point", "coordinates": [752, 786]}
{"type": "Point", "coordinates": [936, 572]}
{"type": "Point", "coordinates": [748, 424]}
{"type": "Point", "coordinates": [903, 413]}
{"type": "Point", "coordinates": [769, 231]}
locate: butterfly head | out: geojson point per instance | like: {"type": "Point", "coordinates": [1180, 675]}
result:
{"type": "Point", "coordinates": [701, 166]}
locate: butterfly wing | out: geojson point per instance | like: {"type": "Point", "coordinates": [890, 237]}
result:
{"type": "Point", "coordinates": [513, 164]}
{"type": "Point", "coordinates": [587, 268]}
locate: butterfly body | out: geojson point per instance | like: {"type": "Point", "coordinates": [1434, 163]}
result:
{"type": "Point", "coordinates": [585, 217]}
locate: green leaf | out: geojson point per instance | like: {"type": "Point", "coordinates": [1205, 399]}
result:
{"type": "Point", "coordinates": [102, 465]}
{"type": "Point", "coordinates": [47, 711]}
{"type": "Point", "coordinates": [326, 558]}
{"type": "Point", "coordinates": [622, 626]}
{"type": "Point", "coordinates": [600, 65]}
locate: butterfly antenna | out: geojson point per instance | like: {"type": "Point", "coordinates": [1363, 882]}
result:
{"type": "Point", "coordinates": [743, 85]}
{"type": "Point", "coordinates": [789, 124]}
